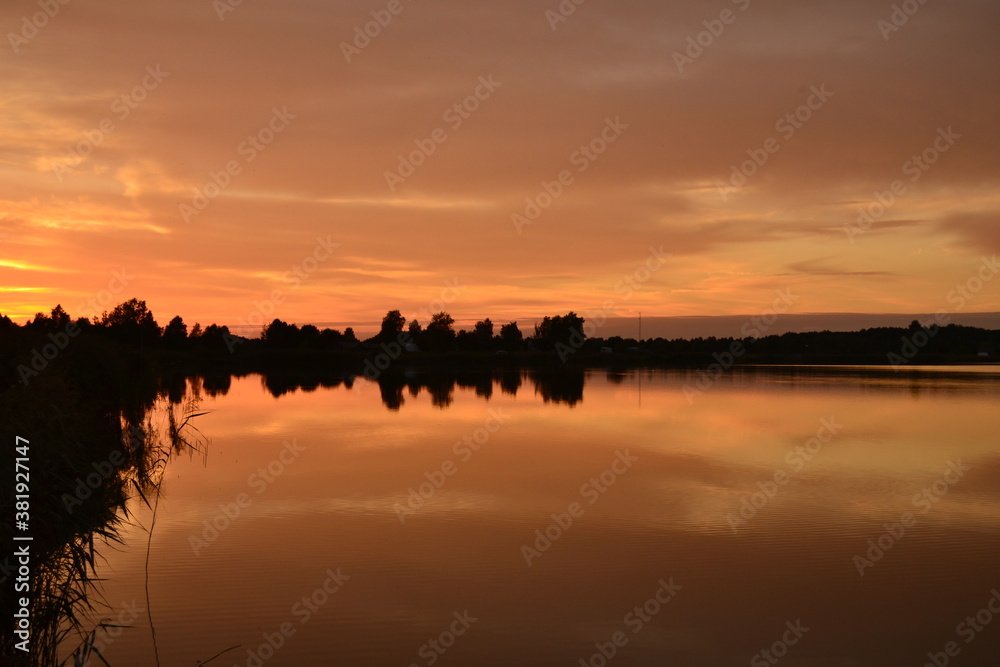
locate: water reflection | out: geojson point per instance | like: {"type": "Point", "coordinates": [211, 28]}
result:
{"type": "Point", "coordinates": [373, 447]}
{"type": "Point", "coordinates": [90, 454]}
{"type": "Point", "coordinates": [565, 385]}
{"type": "Point", "coordinates": [561, 386]}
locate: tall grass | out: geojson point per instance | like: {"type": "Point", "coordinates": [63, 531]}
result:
{"type": "Point", "coordinates": [89, 410]}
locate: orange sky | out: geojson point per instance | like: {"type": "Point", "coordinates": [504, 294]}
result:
{"type": "Point", "coordinates": [198, 81]}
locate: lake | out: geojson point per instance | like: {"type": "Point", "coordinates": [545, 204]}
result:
{"type": "Point", "coordinates": [841, 517]}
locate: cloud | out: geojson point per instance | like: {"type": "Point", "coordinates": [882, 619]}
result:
{"type": "Point", "coordinates": [325, 173]}
{"type": "Point", "coordinates": [821, 267]}
{"type": "Point", "coordinates": [978, 231]}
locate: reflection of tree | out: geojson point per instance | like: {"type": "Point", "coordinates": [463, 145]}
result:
{"type": "Point", "coordinates": [278, 384]}
{"type": "Point", "coordinates": [441, 389]}
{"type": "Point", "coordinates": [99, 438]}
{"type": "Point", "coordinates": [479, 381]}
{"type": "Point", "coordinates": [281, 383]}
{"type": "Point", "coordinates": [392, 393]}
{"type": "Point", "coordinates": [563, 385]}
{"type": "Point", "coordinates": [217, 384]}
{"type": "Point", "coordinates": [558, 385]}
{"type": "Point", "coordinates": [510, 381]}
{"type": "Point", "coordinates": [616, 377]}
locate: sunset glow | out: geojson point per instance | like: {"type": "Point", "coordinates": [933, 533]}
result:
{"type": "Point", "coordinates": [507, 160]}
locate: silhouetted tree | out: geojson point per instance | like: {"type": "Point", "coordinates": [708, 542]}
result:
{"type": "Point", "coordinates": [510, 336]}
{"type": "Point", "coordinates": [279, 335]}
{"type": "Point", "coordinates": [560, 330]}
{"type": "Point", "coordinates": [43, 322]}
{"type": "Point", "coordinates": [484, 331]}
{"type": "Point", "coordinates": [439, 334]}
{"type": "Point", "coordinates": [331, 339]}
{"type": "Point", "coordinates": [308, 337]}
{"type": "Point", "coordinates": [175, 333]}
{"type": "Point", "coordinates": [218, 339]}
{"type": "Point", "coordinates": [59, 317]}
{"type": "Point", "coordinates": [416, 333]}
{"type": "Point", "coordinates": [479, 339]}
{"type": "Point", "coordinates": [131, 322]}
{"type": "Point", "coordinates": [392, 325]}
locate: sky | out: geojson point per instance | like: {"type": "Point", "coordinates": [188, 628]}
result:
{"type": "Point", "coordinates": [322, 161]}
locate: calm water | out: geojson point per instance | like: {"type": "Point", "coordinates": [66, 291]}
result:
{"type": "Point", "coordinates": [747, 511]}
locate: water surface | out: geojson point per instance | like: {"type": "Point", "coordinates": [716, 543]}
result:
{"type": "Point", "coordinates": [819, 463]}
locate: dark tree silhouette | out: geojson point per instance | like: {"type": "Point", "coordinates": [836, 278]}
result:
{"type": "Point", "coordinates": [175, 333]}
{"type": "Point", "coordinates": [562, 329]}
{"type": "Point", "coordinates": [59, 317]}
{"type": "Point", "coordinates": [392, 325]}
{"type": "Point", "coordinates": [440, 334]}
{"type": "Point", "coordinates": [279, 334]}
{"type": "Point", "coordinates": [131, 322]}
{"type": "Point", "coordinates": [510, 336]}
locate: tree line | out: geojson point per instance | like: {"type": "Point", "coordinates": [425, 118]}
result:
{"type": "Point", "coordinates": [132, 324]}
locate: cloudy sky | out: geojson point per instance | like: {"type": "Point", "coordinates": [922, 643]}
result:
{"type": "Point", "coordinates": [224, 160]}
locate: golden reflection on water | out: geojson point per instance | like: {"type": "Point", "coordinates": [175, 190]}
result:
{"type": "Point", "coordinates": [350, 499]}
